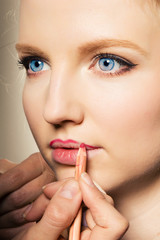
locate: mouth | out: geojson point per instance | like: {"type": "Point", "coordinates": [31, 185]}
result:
{"type": "Point", "coordinates": [65, 152]}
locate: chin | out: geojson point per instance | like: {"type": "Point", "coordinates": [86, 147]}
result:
{"type": "Point", "coordinates": [63, 171]}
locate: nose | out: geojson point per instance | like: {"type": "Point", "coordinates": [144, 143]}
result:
{"type": "Point", "coordinates": [63, 103]}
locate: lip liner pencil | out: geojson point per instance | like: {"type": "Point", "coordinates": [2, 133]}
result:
{"type": "Point", "coordinates": [75, 228]}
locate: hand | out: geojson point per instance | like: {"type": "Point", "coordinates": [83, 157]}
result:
{"type": "Point", "coordinates": [58, 215]}
{"type": "Point", "coordinates": [21, 184]}
{"type": "Point", "coordinates": [6, 165]}
{"type": "Point", "coordinates": [102, 219]}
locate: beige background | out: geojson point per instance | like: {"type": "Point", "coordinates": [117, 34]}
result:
{"type": "Point", "coordinates": [16, 141]}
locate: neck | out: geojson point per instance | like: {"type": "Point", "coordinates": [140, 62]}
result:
{"type": "Point", "coordinates": [139, 202]}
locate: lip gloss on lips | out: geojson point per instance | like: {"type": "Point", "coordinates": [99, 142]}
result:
{"type": "Point", "coordinates": [75, 228]}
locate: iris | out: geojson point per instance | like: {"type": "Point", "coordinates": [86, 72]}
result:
{"type": "Point", "coordinates": [106, 64]}
{"type": "Point", "coordinates": [36, 65]}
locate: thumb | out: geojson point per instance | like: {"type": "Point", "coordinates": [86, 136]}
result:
{"type": "Point", "coordinates": [59, 214]}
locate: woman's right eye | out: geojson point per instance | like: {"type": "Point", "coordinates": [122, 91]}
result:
{"type": "Point", "coordinates": [34, 65]}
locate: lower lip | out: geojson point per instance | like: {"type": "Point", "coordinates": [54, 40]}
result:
{"type": "Point", "coordinates": [67, 156]}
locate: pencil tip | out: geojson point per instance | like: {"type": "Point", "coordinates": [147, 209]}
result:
{"type": "Point", "coordinates": [82, 145]}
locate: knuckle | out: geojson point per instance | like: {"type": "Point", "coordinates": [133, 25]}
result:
{"type": "Point", "coordinates": [12, 219]}
{"type": "Point", "coordinates": [17, 198]}
{"type": "Point", "coordinates": [3, 160]}
{"type": "Point", "coordinates": [4, 165]}
{"type": "Point", "coordinates": [110, 200]}
{"type": "Point", "coordinates": [58, 217]}
{"type": "Point", "coordinates": [36, 157]}
{"type": "Point", "coordinates": [121, 226]}
{"type": "Point", "coordinates": [100, 197]}
{"type": "Point", "coordinates": [16, 218]}
{"type": "Point", "coordinates": [16, 176]}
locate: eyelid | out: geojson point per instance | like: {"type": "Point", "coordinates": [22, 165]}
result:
{"type": "Point", "coordinates": [112, 56]}
{"type": "Point", "coordinates": [126, 65]}
{"type": "Point", "coordinates": [24, 60]}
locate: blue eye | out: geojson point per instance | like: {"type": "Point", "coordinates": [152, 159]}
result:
{"type": "Point", "coordinates": [110, 64]}
{"type": "Point", "coordinates": [36, 65]}
{"type": "Point", "coordinates": [106, 64]}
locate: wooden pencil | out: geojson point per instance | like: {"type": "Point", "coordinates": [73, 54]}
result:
{"type": "Point", "coordinates": [75, 229]}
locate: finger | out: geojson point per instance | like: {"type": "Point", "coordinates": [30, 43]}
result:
{"type": "Point", "coordinates": [50, 189]}
{"type": "Point", "coordinates": [10, 233]}
{"type": "Point", "coordinates": [35, 211]}
{"type": "Point", "coordinates": [6, 165]}
{"type": "Point", "coordinates": [85, 234]}
{"type": "Point", "coordinates": [13, 219]}
{"type": "Point", "coordinates": [88, 220]}
{"type": "Point", "coordinates": [60, 212]}
{"type": "Point", "coordinates": [30, 213]}
{"type": "Point", "coordinates": [26, 194]}
{"type": "Point", "coordinates": [107, 197]}
{"type": "Point", "coordinates": [110, 224]}
{"type": "Point", "coordinates": [40, 204]}
{"type": "Point", "coordinates": [90, 223]}
{"type": "Point", "coordinates": [21, 174]}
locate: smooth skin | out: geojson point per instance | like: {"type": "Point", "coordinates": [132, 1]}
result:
{"type": "Point", "coordinates": [121, 113]}
{"type": "Point", "coordinates": [72, 98]}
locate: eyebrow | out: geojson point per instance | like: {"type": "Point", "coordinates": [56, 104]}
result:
{"type": "Point", "coordinates": [26, 49]}
{"type": "Point", "coordinates": [109, 43]}
{"type": "Point", "coordinates": [85, 49]}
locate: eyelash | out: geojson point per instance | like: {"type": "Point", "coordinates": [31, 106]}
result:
{"type": "Point", "coordinates": [25, 61]}
{"type": "Point", "coordinates": [126, 65]}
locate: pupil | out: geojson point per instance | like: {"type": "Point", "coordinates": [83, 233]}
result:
{"type": "Point", "coordinates": [106, 63]}
{"type": "Point", "coordinates": [37, 64]}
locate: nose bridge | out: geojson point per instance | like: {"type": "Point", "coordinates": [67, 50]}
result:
{"type": "Point", "coordinates": [61, 104]}
{"type": "Point", "coordinates": [57, 91]}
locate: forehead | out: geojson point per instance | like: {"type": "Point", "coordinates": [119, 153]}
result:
{"type": "Point", "coordinates": [79, 9]}
{"type": "Point", "coordinates": [54, 21]}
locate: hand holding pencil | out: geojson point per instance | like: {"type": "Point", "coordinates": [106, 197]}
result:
{"type": "Point", "coordinates": [103, 220]}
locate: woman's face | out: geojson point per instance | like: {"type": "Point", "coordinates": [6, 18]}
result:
{"type": "Point", "coordinates": [93, 77]}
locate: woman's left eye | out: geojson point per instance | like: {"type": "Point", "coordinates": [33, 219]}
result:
{"type": "Point", "coordinates": [111, 64]}
{"type": "Point", "coordinates": [33, 65]}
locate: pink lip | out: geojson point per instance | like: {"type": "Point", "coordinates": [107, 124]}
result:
{"type": "Point", "coordinates": [65, 152]}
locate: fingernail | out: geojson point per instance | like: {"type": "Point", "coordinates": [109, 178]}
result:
{"type": "Point", "coordinates": [44, 187]}
{"type": "Point", "coordinates": [69, 190]}
{"type": "Point", "coordinates": [99, 188]}
{"type": "Point", "coordinates": [48, 185]}
{"type": "Point", "coordinates": [86, 178]}
{"type": "Point", "coordinates": [27, 210]}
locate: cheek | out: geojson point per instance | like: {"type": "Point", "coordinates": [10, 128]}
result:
{"type": "Point", "coordinates": [33, 102]}
{"type": "Point", "coordinates": [128, 119]}
{"type": "Point", "coordinates": [34, 97]}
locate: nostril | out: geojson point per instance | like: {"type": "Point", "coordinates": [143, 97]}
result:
{"type": "Point", "coordinates": [61, 123]}
{"type": "Point", "coordinates": [57, 126]}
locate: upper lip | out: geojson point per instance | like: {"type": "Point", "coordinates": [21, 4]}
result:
{"type": "Point", "coordinates": [69, 144]}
